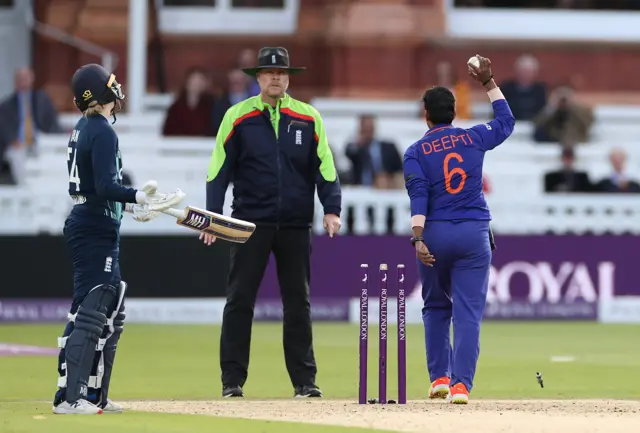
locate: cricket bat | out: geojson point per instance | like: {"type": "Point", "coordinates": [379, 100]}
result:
{"type": "Point", "coordinates": [220, 226]}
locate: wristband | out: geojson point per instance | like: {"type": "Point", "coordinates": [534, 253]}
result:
{"type": "Point", "coordinates": [141, 197]}
{"type": "Point", "coordinates": [415, 239]}
{"type": "Point", "coordinates": [495, 94]}
{"type": "Point", "coordinates": [487, 82]}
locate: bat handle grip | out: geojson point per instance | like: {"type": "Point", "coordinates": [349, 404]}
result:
{"type": "Point", "coordinates": [174, 212]}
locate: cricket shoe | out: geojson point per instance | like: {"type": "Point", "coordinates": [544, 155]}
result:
{"type": "Point", "coordinates": [112, 407]}
{"type": "Point", "coordinates": [307, 391]}
{"type": "Point", "coordinates": [80, 407]}
{"type": "Point", "coordinates": [440, 388]}
{"type": "Point", "coordinates": [459, 394]}
{"type": "Point", "coordinates": [232, 391]}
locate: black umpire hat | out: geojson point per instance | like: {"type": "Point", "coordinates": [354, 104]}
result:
{"type": "Point", "coordinates": [273, 57]}
{"type": "Point", "coordinates": [93, 83]}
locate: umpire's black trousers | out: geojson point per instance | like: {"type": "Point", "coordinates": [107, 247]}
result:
{"type": "Point", "coordinates": [292, 250]}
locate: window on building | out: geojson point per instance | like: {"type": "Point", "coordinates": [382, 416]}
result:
{"type": "Point", "coordinates": [229, 17]}
{"type": "Point", "coordinates": [261, 4]}
{"type": "Point", "coordinates": [189, 3]}
{"type": "Point", "coordinates": [551, 4]}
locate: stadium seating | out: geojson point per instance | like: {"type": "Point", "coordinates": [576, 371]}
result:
{"type": "Point", "coordinates": [515, 171]}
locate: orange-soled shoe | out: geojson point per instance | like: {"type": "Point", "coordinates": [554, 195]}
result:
{"type": "Point", "coordinates": [459, 394]}
{"type": "Point", "coordinates": [440, 388]}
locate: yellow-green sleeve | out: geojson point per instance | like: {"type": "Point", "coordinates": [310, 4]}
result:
{"type": "Point", "coordinates": [328, 184]}
{"type": "Point", "coordinates": [222, 157]}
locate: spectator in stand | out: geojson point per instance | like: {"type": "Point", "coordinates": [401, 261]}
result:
{"type": "Point", "coordinates": [619, 181]}
{"type": "Point", "coordinates": [246, 59]}
{"type": "Point", "coordinates": [460, 88]}
{"type": "Point", "coordinates": [563, 119]}
{"type": "Point", "coordinates": [567, 178]}
{"type": "Point", "coordinates": [486, 186]}
{"type": "Point", "coordinates": [525, 95]}
{"type": "Point", "coordinates": [235, 91]}
{"type": "Point", "coordinates": [191, 113]}
{"type": "Point", "coordinates": [23, 114]}
{"type": "Point", "coordinates": [374, 162]}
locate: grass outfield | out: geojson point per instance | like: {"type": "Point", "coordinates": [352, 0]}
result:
{"type": "Point", "coordinates": [164, 362]}
{"type": "Point", "coordinates": [37, 417]}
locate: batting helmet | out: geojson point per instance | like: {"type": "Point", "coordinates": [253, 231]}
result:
{"type": "Point", "coordinates": [92, 85]}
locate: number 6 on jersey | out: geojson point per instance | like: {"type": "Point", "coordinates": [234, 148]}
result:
{"type": "Point", "coordinates": [448, 174]}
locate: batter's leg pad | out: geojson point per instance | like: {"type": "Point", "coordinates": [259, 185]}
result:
{"type": "Point", "coordinates": [81, 344]}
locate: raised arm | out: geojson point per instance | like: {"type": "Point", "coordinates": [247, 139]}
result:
{"type": "Point", "coordinates": [495, 132]}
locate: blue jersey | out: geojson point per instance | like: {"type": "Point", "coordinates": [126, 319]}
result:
{"type": "Point", "coordinates": [94, 165]}
{"type": "Point", "coordinates": [443, 170]}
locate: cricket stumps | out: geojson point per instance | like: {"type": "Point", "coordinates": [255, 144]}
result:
{"type": "Point", "coordinates": [383, 336]}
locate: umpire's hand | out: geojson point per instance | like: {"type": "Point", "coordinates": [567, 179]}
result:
{"type": "Point", "coordinates": [331, 223]}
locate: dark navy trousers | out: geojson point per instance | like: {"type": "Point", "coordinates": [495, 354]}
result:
{"type": "Point", "coordinates": [93, 244]}
{"type": "Point", "coordinates": [454, 291]}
